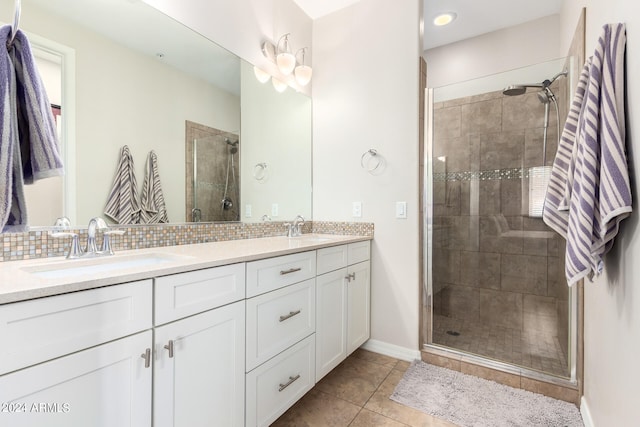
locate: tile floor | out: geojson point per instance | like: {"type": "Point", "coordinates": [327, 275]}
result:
{"type": "Point", "coordinates": [539, 351]}
{"type": "Point", "coordinates": [356, 394]}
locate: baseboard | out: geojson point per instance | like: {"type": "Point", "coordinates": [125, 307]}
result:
{"type": "Point", "coordinates": [392, 350]}
{"type": "Point", "coordinates": [586, 415]}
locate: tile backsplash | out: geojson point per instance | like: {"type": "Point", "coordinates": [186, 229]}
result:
{"type": "Point", "coordinates": [40, 244]}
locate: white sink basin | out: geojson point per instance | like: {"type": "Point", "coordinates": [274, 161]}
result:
{"type": "Point", "coordinates": [91, 266]}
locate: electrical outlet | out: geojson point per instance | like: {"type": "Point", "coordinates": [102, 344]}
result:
{"type": "Point", "coordinates": [356, 210]}
{"type": "Point", "coordinates": [274, 209]}
{"type": "Point", "coordinates": [247, 211]}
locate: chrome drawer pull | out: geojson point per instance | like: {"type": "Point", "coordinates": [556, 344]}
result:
{"type": "Point", "coordinates": [289, 316]}
{"type": "Point", "coordinates": [288, 383]}
{"type": "Point", "coordinates": [147, 357]}
{"type": "Point", "coordinates": [289, 271]}
{"type": "Point", "coordinates": [169, 347]}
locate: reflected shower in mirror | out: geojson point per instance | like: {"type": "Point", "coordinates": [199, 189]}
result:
{"type": "Point", "coordinates": [137, 85]}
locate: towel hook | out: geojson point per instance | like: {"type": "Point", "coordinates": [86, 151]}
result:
{"type": "Point", "coordinates": [16, 22]}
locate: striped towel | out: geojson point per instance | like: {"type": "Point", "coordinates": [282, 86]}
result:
{"type": "Point", "coordinates": [123, 203]}
{"type": "Point", "coordinates": [589, 191]}
{"type": "Point", "coordinates": [153, 210]}
{"type": "Point", "coordinates": [38, 137]}
{"type": "Point", "coordinates": [12, 206]}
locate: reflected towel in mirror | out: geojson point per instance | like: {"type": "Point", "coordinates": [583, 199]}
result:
{"type": "Point", "coordinates": [153, 209]}
{"type": "Point", "coordinates": [123, 203]}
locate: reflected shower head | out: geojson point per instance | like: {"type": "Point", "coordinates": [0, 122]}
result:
{"type": "Point", "coordinates": [515, 90]}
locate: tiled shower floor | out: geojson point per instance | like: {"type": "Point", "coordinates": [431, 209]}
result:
{"type": "Point", "coordinates": [537, 351]}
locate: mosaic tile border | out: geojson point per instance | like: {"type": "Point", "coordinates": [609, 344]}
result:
{"type": "Point", "coordinates": [39, 244]}
{"type": "Point", "coordinates": [497, 174]}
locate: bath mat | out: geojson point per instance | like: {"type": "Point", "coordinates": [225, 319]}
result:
{"type": "Point", "coordinates": [469, 401]}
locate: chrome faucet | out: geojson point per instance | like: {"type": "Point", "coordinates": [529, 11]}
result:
{"type": "Point", "coordinates": [295, 229]}
{"type": "Point", "coordinates": [95, 224]}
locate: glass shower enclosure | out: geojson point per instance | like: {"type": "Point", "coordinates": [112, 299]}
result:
{"type": "Point", "coordinates": [494, 272]}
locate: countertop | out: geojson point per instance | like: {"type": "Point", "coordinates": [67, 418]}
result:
{"type": "Point", "coordinates": [29, 279]}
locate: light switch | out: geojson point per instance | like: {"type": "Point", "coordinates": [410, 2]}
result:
{"type": "Point", "coordinates": [401, 210]}
{"type": "Point", "coordinates": [247, 211]}
{"type": "Point", "coordinates": [274, 209]}
{"type": "Point", "coordinates": [356, 210]}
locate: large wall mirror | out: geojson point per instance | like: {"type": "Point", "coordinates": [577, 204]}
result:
{"type": "Point", "coordinates": [228, 147]}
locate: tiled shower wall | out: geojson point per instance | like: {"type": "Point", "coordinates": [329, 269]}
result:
{"type": "Point", "coordinates": [492, 263]}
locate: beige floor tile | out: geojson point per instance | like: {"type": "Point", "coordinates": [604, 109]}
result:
{"type": "Point", "coordinates": [381, 404]}
{"type": "Point", "coordinates": [354, 380]}
{"type": "Point", "coordinates": [368, 418]}
{"type": "Point", "coordinates": [318, 409]}
{"type": "Point", "coordinates": [374, 357]}
{"type": "Point", "coordinates": [402, 365]}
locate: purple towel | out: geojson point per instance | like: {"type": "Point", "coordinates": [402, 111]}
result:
{"type": "Point", "coordinates": [589, 191]}
{"type": "Point", "coordinates": [13, 213]}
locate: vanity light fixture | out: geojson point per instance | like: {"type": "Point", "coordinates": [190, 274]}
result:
{"type": "Point", "coordinates": [284, 58]}
{"type": "Point", "coordinates": [444, 19]}
{"type": "Point", "coordinates": [303, 72]}
{"type": "Point", "coordinates": [286, 63]}
{"type": "Point", "coordinates": [261, 75]}
{"type": "Point", "coordinates": [278, 85]}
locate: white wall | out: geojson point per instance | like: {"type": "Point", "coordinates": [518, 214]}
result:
{"type": "Point", "coordinates": [365, 95]}
{"type": "Point", "coordinates": [495, 52]}
{"type": "Point", "coordinates": [612, 302]}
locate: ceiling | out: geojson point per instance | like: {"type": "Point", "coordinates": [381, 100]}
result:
{"type": "Point", "coordinates": [475, 17]}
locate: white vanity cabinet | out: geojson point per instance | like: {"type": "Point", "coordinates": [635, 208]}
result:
{"type": "Point", "coordinates": [199, 351]}
{"type": "Point", "coordinates": [71, 365]}
{"type": "Point", "coordinates": [343, 288]}
{"type": "Point", "coordinates": [281, 323]}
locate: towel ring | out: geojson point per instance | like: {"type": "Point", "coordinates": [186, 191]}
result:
{"type": "Point", "coordinates": [260, 171]}
{"type": "Point", "coordinates": [373, 162]}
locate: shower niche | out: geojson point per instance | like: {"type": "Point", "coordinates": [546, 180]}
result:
{"type": "Point", "coordinates": [212, 174]}
{"type": "Point", "coordinates": [494, 271]}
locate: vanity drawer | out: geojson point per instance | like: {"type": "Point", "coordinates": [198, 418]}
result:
{"type": "Point", "coordinates": [275, 386]}
{"type": "Point", "coordinates": [332, 258]}
{"type": "Point", "coordinates": [278, 319]}
{"type": "Point", "coordinates": [273, 273]}
{"type": "Point", "coordinates": [184, 294]}
{"type": "Point", "coordinates": [46, 328]}
{"type": "Point", "coordinates": [359, 252]}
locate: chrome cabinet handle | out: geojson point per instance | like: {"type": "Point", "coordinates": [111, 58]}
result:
{"type": "Point", "coordinates": [147, 357]}
{"type": "Point", "coordinates": [169, 347]}
{"type": "Point", "coordinates": [289, 271]}
{"type": "Point", "coordinates": [350, 277]}
{"type": "Point", "coordinates": [289, 316]}
{"type": "Point", "coordinates": [288, 383]}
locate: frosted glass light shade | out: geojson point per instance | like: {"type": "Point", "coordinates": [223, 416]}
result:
{"type": "Point", "coordinates": [286, 62]}
{"type": "Point", "coordinates": [303, 74]}
{"type": "Point", "coordinates": [261, 75]}
{"type": "Point", "coordinates": [278, 85]}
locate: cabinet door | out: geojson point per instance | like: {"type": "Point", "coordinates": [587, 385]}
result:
{"type": "Point", "coordinates": [201, 383]}
{"type": "Point", "coordinates": [105, 386]}
{"type": "Point", "coordinates": [331, 321]}
{"type": "Point", "coordinates": [358, 306]}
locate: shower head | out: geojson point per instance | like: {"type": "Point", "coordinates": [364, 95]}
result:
{"type": "Point", "coordinates": [546, 95]}
{"type": "Point", "coordinates": [232, 144]}
{"type": "Point", "coordinates": [515, 90]}
{"type": "Point", "coordinates": [519, 89]}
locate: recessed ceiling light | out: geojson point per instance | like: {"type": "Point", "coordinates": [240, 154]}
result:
{"type": "Point", "coordinates": [444, 19]}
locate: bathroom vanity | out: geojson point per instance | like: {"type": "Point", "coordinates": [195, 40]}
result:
{"type": "Point", "coordinates": [230, 333]}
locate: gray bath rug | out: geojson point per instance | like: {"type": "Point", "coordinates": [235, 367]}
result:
{"type": "Point", "coordinates": [469, 401]}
